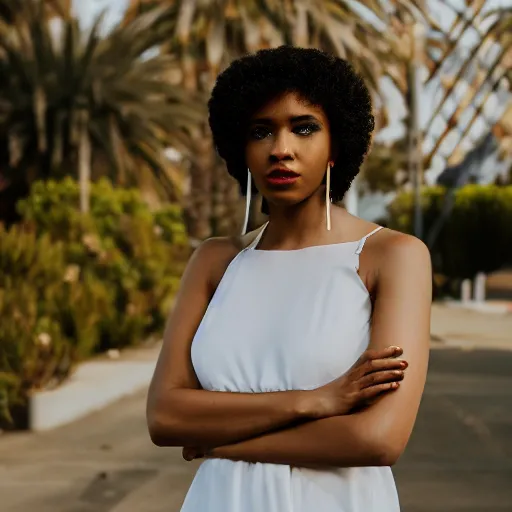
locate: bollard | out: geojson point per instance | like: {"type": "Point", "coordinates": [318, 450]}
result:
{"type": "Point", "coordinates": [465, 291]}
{"type": "Point", "coordinates": [479, 288]}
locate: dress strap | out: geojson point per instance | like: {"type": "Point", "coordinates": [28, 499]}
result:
{"type": "Point", "coordinates": [363, 240]}
{"type": "Point", "coordinates": [256, 241]}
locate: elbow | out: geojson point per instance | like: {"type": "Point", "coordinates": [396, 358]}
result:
{"type": "Point", "coordinates": [381, 447]}
{"type": "Point", "coordinates": [163, 431]}
{"type": "Point", "coordinates": [388, 456]}
{"type": "Point", "coordinates": [155, 430]}
{"type": "Point", "coordinates": [388, 451]}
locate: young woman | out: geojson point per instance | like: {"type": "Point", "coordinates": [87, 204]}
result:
{"type": "Point", "coordinates": [281, 360]}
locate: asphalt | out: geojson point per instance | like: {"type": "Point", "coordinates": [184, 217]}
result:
{"type": "Point", "coordinates": [459, 458]}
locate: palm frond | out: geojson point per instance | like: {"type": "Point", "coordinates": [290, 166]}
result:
{"type": "Point", "coordinates": [50, 87]}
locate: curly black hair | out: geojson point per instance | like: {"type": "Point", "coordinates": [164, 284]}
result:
{"type": "Point", "coordinates": [320, 78]}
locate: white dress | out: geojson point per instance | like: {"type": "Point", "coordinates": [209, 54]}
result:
{"type": "Point", "coordinates": [285, 320]}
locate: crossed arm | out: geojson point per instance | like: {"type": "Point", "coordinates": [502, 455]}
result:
{"type": "Point", "coordinates": [376, 435]}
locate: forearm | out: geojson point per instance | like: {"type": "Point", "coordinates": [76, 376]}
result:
{"type": "Point", "coordinates": [340, 441]}
{"type": "Point", "coordinates": [196, 417]}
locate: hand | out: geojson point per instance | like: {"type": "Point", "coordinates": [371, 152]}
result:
{"type": "Point", "coordinates": [374, 373]}
{"type": "Point", "coordinates": [191, 452]}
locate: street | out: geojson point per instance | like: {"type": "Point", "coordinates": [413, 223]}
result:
{"type": "Point", "coordinates": [458, 460]}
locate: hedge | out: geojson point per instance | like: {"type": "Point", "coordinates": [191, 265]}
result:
{"type": "Point", "coordinates": [477, 234]}
{"type": "Point", "coordinates": [72, 285]}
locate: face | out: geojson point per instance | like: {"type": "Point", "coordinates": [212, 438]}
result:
{"type": "Point", "coordinates": [288, 148]}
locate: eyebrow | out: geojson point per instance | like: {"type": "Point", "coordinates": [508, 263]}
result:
{"type": "Point", "coordinates": [292, 119]}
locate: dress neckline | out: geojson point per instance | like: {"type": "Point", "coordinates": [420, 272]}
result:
{"type": "Point", "coordinates": [253, 245]}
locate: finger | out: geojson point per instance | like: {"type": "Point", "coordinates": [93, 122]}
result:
{"type": "Point", "coordinates": [372, 353]}
{"type": "Point", "coordinates": [377, 365]}
{"type": "Point", "coordinates": [379, 389]}
{"type": "Point", "coordinates": [381, 377]}
{"type": "Point", "coordinates": [189, 453]}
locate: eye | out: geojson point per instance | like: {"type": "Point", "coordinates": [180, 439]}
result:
{"type": "Point", "coordinates": [306, 129]}
{"type": "Point", "coordinates": [259, 133]}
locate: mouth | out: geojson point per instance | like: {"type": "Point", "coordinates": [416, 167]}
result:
{"type": "Point", "coordinates": [282, 175]}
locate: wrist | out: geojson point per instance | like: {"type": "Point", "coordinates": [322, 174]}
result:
{"type": "Point", "coordinates": [220, 452]}
{"type": "Point", "coordinates": [306, 405]}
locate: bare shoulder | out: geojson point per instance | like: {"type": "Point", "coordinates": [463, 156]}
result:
{"type": "Point", "coordinates": [396, 249]}
{"type": "Point", "coordinates": [399, 256]}
{"type": "Point", "coordinates": [216, 253]}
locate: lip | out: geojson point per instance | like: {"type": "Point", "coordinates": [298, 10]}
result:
{"type": "Point", "coordinates": [282, 171]}
{"type": "Point", "coordinates": [282, 176]}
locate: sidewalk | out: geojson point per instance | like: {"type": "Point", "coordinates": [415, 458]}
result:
{"type": "Point", "coordinates": [459, 457]}
{"type": "Point", "coordinates": [99, 382]}
{"type": "Point", "coordinates": [455, 326]}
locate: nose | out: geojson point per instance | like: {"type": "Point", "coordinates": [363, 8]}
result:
{"type": "Point", "coordinates": [281, 148]}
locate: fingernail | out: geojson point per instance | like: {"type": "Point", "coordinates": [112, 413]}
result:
{"type": "Point", "coordinates": [403, 364]}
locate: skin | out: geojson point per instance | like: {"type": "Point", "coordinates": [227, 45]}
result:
{"type": "Point", "coordinates": [299, 428]}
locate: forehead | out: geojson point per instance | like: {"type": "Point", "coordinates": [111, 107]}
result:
{"type": "Point", "coordinates": [288, 105]}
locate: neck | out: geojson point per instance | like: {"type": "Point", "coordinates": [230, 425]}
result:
{"type": "Point", "coordinates": [302, 224]}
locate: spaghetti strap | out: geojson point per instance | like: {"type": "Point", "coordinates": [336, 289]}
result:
{"type": "Point", "coordinates": [255, 242]}
{"type": "Point", "coordinates": [363, 240]}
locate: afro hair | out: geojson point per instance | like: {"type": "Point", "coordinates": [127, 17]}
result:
{"type": "Point", "coordinates": [320, 78]}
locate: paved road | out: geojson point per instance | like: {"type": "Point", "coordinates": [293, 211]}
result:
{"type": "Point", "coordinates": [459, 458]}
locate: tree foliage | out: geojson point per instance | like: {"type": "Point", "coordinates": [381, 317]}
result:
{"type": "Point", "coordinates": [61, 88]}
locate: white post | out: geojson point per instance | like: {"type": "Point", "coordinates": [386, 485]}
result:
{"type": "Point", "coordinates": [479, 288]}
{"type": "Point", "coordinates": [465, 291]}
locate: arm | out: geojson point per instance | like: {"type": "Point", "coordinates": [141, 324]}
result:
{"type": "Point", "coordinates": [377, 435]}
{"type": "Point", "coordinates": [178, 412]}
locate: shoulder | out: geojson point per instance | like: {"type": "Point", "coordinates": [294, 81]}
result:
{"type": "Point", "coordinates": [400, 255]}
{"type": "Point", "coordinates": [215, 254]}
{"type": "Point", "coordinates": [397, 248]}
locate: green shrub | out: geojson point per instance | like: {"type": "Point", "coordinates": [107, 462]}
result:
{"type": "Point", "coordinates": [49, 319]}
{"type": "Point", "coordinates": [140, 254]}
{"type": "Point", "coordinates": [87, 283]}
{"type": "Point", "coordinates": [476, 236]}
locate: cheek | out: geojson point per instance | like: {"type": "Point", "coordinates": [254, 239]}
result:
{"type": "Point", "coordinates": [317, 147]}
{"type": "Point", "coordinates": [255, 154]}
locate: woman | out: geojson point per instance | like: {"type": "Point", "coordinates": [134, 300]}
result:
{"type": "Point", "coordinates": [280, 361]}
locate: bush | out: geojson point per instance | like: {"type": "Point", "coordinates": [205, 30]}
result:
{"type": "Point", "coordinates": [139, 253]}
{"type": "Point", "coordinates": [476, 236]}
{"type": "Point", "coordinates": [73, 285]}
{"type": "Point", "coordinates": [49, 320]}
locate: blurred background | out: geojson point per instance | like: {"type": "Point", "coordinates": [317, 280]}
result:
{"type": "Point", "coordinates": [109, 180]}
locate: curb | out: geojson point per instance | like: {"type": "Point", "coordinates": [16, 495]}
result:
{"type": "Point", "coordinates": [93, 385]}
{"type": "Point", "coordinates": [440, 343]}
{"type": "Point", "coordinates": [488, 307]}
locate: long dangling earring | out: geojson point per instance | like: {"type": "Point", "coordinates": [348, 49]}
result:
{"type": "Point", "coordinates": [328, 197]}
{"type": "Point", "coordinates": [247, 202]}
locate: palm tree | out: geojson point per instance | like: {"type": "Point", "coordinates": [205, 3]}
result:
{"type": "Point", "coordinates": [468, 78]}
{"type": "Point", "coordinates": [11, 10]}
{"type": "Point", "coordinates": [70, 101]}
{"type": "Point", "coordinates": [206, 35]}
{"type": "Point", "coordinates": [479, 72]}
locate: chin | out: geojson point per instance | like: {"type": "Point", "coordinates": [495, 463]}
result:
{"type": "Point", "coordinates": [282, 201]}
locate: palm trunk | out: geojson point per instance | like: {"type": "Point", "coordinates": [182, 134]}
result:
{"type": "Point", "coordinates": [84, 165]}
{"type": "Point", "coordinates": [220, 205]}
{"type": "Point", "coordinates": [198, 208]}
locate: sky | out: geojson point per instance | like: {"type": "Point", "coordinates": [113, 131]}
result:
{"type": "Point", "coordinates": [86, 10]}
